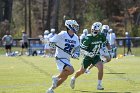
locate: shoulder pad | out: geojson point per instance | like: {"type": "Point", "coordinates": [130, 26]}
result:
{"type": "Point", "coordinates": [62, 32]}
{"type": "Point", "coordinates": [89, 34]}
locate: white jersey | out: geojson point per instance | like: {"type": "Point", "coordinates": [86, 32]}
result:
{"type": "Point", "coordinates": [111, 38]}
{"type": "Point", "coordinates": [82, 36]}
{"type": "Point", "coordinates": [104, 52]}
{"type": "Point", "coordinates": [7, 39]}
{"type": "Point", "coordinates": [24, 37]}
{"type": "Point", "coordinates": [46, 39]}
{"type": "Point", "coordinates": [51, 35]}
{"type": "Point", "coordinates": [46, 42]}
{"type": "Point", "coordinates": [66, 42]}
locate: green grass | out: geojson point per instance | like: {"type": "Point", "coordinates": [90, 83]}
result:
{"type": "Point", "coordinates": [27, 74]}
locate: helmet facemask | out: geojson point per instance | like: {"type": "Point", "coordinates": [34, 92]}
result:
{"type": "Point", "coordinates": [95, 28]}
{"type": "Point", "coordinates": [94, 32]}
{"type": "Point", "coordinates": [72, 25]}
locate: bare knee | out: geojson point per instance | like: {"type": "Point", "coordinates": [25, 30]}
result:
{"type": "Point", "coordinates": [81, 71]}
{"type": "Point", "coordinates": [70, 70]}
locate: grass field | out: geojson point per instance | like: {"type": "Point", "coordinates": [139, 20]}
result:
{"type": "Point", "coordinates": [27, 74]}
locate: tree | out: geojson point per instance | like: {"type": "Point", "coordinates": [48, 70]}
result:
{"type": "Point", "coordinates": [8, 10]}
{"type": "Point", "coordinates": [55, 15]}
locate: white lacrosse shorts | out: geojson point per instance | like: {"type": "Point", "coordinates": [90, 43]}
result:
{"type": "Point", "coordinates": [61, 63]}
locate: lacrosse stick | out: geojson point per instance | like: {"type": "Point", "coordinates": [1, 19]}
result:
{"type": "Point", "coordinates": [74, 50]}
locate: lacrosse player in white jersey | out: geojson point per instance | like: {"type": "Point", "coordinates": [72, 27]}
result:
{"type": "Point", "coordinates": [65, 42]}
{"type": "Point", "coordinates": [51, 35]}
{"type": "Point", "coordinates": [46, 44]}
{"type": "Point", "coordinates": [83, 35]}
{"type": "Point", "coordinates": [104, 52]}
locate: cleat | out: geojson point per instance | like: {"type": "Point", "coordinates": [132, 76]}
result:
{"type": "Point", "coordinates": [50, 90]}
{"type": "Point", "coordinates": [99, 87]}
{"type": "Point", "coordinates": [87, 71]}
{"type": "Point", "coordinates": [72, 83]}
{"type": "Point", "coordinates": [54, 81]}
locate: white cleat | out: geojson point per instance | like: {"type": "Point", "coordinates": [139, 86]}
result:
{"type": "Point", "coordinates": [87, 71]}
{"type": "Point", "coordinates": [54, 81]}
{"type": "Point", "coordinates": [99, 87]}
{"type": "Point", "coordinates": [50, 90]}
{"type": "Point", "coordinates": [72, 83]}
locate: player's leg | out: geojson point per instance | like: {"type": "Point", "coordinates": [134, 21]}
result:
{"type": "Point", "coordinates": [99, 65]}
{"type": "Point", "coordinates": [46, 51]}
{"type": "Point", "coordinates": [6, 49]}
{"type": "Point", "coordinates": [26, 48]}
{"type": "Point", "coordinates": [88, 69]}
{"type": "Point", "coordinates": [10, 50]}
{"type": "Point", "coordinates": [66, 69]}
{"type": "Point", "coordinates": [131, 51]}
{"type": "Point", "coordinates": [77, 74]}
{"type": "Point", "coordinates": [22, 48]}
{"type": "Point", "coordinates": [81, 71]}
{"type": "Point", "coordinates": [58, 80]}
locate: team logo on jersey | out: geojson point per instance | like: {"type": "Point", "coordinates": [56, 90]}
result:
{"type": "Point", "coordinates": [70, 41]}
{"type": "Point", "coordinates": [98, 42]}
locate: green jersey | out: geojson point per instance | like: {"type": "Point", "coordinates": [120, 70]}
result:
{"type": "Point", "coordinates": [93, 43]}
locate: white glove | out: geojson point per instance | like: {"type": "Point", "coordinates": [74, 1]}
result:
{"type": "Point", "coordinates": [75, 55]}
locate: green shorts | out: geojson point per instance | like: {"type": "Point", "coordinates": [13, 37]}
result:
{"type": "Point", "coordinates": [87, 61]}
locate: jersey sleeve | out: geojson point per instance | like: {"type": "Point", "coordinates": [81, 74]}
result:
{"type": "Point", "coordinates": [56, 38]}
{"type": "Point", "coordinates": [85, 43]}
{"type": "Point", "coordinates": [81, 37]}
{"type": "Point", "coordinates": [3, 38]}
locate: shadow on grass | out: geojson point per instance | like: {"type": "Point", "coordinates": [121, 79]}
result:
{"type": "Point", "coordinates": [86, 91]}
{"type": "Point", "coordinates": [115, 73]}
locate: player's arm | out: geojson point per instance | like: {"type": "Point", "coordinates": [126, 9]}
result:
{"type": "Point", "coordinates": [75, 52]}
{"type": "Point", "coordinates": [53, 41]}
{"type": "Point", "coordinates": [84, 47]}
{"type": "Point", "coordinates": [3, 39]}
{"type": "Point", "coordinates": [11, 40]}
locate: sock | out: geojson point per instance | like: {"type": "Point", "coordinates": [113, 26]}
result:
{"type": "Point", "coordinates": [73, 78]}
{"type": "Point", "coordinates": [99, 82]}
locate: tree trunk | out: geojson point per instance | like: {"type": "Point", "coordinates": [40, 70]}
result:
{"type": "Point", "coordinates": [48, 15]}
{"type": "Point", "coordinates": [25, 15]}
{"type": "Point", "coordinates": [72, 15]}
{"type": "Point", "coordinates": [8, 10]}
{"type": "Point", "coordinates": [55, 15]}
{"type": "Point", "coordinates": [1, 10]}
{"type": "Point", "coordinates": [30, 24]}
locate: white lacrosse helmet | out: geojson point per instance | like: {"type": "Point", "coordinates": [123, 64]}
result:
{"type": "Point", "coordinates": [85, 31]}
{"type": "Point", "coordinates": [46, 32]}
{"type": "Point", "coordinates": [52, 30]}
{"type": "Point", "coordinates": [72, 25]}
{"type": "Point", "coordinates": [110, 30]}
{"type": "Point", "coordinates": [95, 28]}
{"type": "Point", "coordinates": [105, 27]}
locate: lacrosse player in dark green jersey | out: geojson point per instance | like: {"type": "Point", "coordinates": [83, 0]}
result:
{"type": "Point", "coordinates": [92, 45]}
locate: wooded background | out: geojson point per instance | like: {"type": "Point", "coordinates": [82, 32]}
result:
{"type": "Point", "coordinates": [35, 16]}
